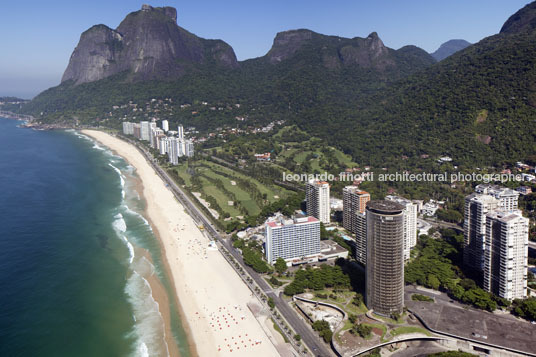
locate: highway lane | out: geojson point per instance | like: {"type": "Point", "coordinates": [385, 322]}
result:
{"type": "Point", "coordinates": [309, 337]}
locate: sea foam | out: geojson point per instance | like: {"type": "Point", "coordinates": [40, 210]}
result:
{"type": "Point", "coordinates": [149, 327]}
{"type": "Point", "coordinates": [121, 178]}
{"type": "Point", "coordinates": [120, 227]}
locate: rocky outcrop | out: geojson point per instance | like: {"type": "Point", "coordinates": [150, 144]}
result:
{"type": "Point", "coordinates": [366, 52]}
{"type": "Point", "coordinates": [287, 43]}
{"type": "Point", "coordinates": [148, 44]}
{"type": "Point", "coordinates": [336, 52]}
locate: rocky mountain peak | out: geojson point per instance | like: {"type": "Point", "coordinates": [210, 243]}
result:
{"type": "Point", "coordinates": [148, 44]}
{"type": "Point", "coordinates": [286, 43]}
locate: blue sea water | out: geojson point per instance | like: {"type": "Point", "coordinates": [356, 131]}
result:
{"type": "Point", "coordinates": [75, 251]}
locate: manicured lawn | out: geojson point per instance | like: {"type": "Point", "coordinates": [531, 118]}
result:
{"type": "Point", "coordinates": [408, 329]}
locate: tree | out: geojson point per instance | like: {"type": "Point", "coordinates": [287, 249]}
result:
{"type": "Point", "coordinates": [362, 330]}
{"type": "Point", "coordinates": [323, 329]}
{"type": "Point", "coordinates": [280, 265]}
{"type": "Point", "coordinates": [525, 308]}
{"type": "Point", "coordinates": [352, 318]}
{"type": "Point", "coordinates": [358, 299]}
{"type": "Point", "coordinates": [433, 281]}
{"type": "Point", "coordinates": [271, 303]}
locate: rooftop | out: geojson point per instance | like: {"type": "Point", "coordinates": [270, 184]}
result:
{"type": "Point", "coordinates": [293, 221]}
{"type": "Point", "coordinates": [385, 207]}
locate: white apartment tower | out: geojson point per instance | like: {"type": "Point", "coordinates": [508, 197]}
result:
{"type": "Point", "coordinates": [189, 148]}
{"type": "Point", "coordinates": [295, 239]}
{"type": "Point", "coordinates": [173, 152]}
{"type": "Point", "coordinates": [507, 197]}
{"type": "Point", "coordinates": [128, 128]}
{"type": "Point", "coordinates": [165, 125]}
{"type": "Point", "coordinates": [317, 198]}
{"type": "Point", "coordinates": [477, 206]}
{"type": "Point", "coordinates": [180, 132]}
{"type": "Point", "coordinates": [506, 254]}
{"type": "Point", "coordinates": [360, 226]}
{"type": "Point", "coordinates": [163, 145]}
{"type": "Point", "coordinates": [410, 223]}
{"type": "Point", "coordinates": [145, 131]}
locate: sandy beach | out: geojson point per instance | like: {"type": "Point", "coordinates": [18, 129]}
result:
{"type": "Point", "coordinates": [220, 313]}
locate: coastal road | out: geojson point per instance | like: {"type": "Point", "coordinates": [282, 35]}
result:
{"type": "Point", "coordinates": [309, 337]}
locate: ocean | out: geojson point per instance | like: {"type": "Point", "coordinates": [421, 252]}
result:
{"type": "Point", "coordinates": [76, 251]}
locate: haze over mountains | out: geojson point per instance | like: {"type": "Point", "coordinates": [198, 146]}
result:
{"type": "Point", "coordinates": [373, 102]}
{"type": "Point", "coordinates": [449, 48]}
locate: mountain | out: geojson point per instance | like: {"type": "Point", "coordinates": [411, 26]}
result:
{"type": "Point", "coordinates": [449, 48]}
{"type": "Point", "coordinates": [148, 44]}
{"type": "Point", "coordinates": [477, 106]}
{"type": "Point", "coordinates": [149, 56]}
{"type": "Point", "coordinates": [377, 104]}
{"type": "Point", "coordinates": [522, 21]}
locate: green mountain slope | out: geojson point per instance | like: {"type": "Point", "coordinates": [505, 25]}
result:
{"type": "Point", "coordinates": [477, 105]}
{"type": "Point", "coordinates": [303, 69]}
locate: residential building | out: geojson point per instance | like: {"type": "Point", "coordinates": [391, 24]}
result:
{"type": "Point", "coordinates": [180, 132]}
{"type": "Point", "coordinates": [145, 130]}
{"type": "Point", "coordinates": [163, 146]}
{"type": "Point", "coordinates": [189, 148]}
{"type": "Point", "coordinates": [506, 254]}
{"type": "Point", "coordinates": [385, 257]}
{"type": "Point", "coordinates": [155, 133]}
{"type": "Point", "coordinates": [165, 125]}
{"type": "Point", "coordinates": [354, 201]}
{"type": "Point", "coordinates": [524, 190]}
{"type": "Point", "coordinates": [410, 223]}
{"type": "Point", "coordinates": [360, 226]}
{"type": "Point", "coordinates": [128, 128]}
{"type": "Point", "coordinates": [136, 131]}
{"type": "Point", "coordinates": [429, 209]}
{"type": "Point", "coordinates": [317, 198]}
{"type": "Point", "coordinates": [173, 151]}
{"type": "Point", "coordinates": [508, 198]}
{"type": "Point", "coordinates": [296, 240]}
{"type": "Point", "coordinates": [477, 206]}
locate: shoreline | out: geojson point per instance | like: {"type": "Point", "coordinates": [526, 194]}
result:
{"type": "Point", "coordinates": [217, 310]}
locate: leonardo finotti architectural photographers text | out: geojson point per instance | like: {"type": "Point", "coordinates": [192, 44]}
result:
{"type": "Point", "coordinates": [405, 177]}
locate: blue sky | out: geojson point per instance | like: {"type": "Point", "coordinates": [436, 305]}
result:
{"type": "Point", "coordinates": [39, 36]}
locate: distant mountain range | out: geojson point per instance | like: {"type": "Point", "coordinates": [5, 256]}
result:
{"type": "Point", "coordinates": [477, 104]}
{"type": "Point", "coordinates": [449, 48]}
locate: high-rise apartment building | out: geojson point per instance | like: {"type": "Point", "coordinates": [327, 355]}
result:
{"type": "Point", "coordinates": [293, 240]}
{"type": "Point", "coordinates": [128, 128]}
{"type": "Point", "coordinates": [173, 152]}
{"type": "Point", "coordinates": [145, 130]}
{"type": "Point", "coordinates": [354, 201]}
{"type": "Point", "coordinates": [317, 198]}
{"type": "Point", "coordinates": [180, 132]}
{"type": "Point", "coordinates": [189, 148]}
{"type": "Point", "coordinates": [136, 130]}
{"type": "Point", "coordinates": [410, 223]}
{"type": "Point", "coordinates": [506, 254]}
{"type": "Point", "coordinates": [477, 206]}
{"type": "Point", "coordinates": [165, 125]}
{"type": "Point", "coordinates": [385, 257]}
{"type": "Point", "coordinates": [508, 198]}
{"type": "Point", "coordinates": [163, 145]}
{"type": "Point", "coordinates": [360, 226]}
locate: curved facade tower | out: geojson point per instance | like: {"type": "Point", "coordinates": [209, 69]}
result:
{"type": "Point", "coordinates": [385, 257]}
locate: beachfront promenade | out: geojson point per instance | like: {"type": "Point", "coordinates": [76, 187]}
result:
{"type": "Point", "coordinates": [309, 337]}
